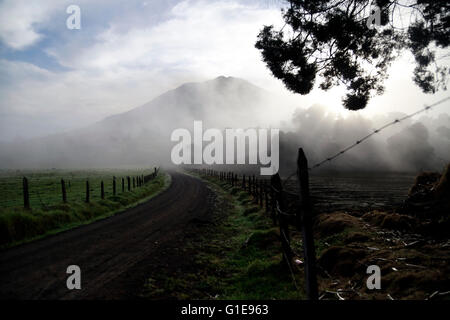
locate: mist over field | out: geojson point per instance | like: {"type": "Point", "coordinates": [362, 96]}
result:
{"type": "Point", "coordinates": [111, 93]}
{"type": "Point", "coordinates": [141, 136]}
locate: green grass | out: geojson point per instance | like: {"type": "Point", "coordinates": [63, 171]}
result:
{"type": "Point", "coordinates": [45, 185]}
{"type": "Point", "coordinates": [18, 225]}
{"type": "Point", "coordinates": [239, 257]}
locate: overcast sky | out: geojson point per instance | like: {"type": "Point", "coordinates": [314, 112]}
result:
{"type": "Point", "coordinates": [127, 52]}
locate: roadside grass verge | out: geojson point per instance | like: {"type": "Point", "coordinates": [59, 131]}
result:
{"type": "Point", "coordinates": [235, 256]}
{"type": "Point", "coordinates": [18, 225]}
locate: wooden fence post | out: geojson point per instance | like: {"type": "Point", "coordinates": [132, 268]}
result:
{"type": "Point", "coordinates": [87, 192]}
{"type": "Point", "coordinates": [123, 185]}
{"type": "Point", "coordinates": [129, 183]}
{"type": "Point", "coordinates": [266, 196]}
{"type": "Point", "coordinates": [243, 182]}
{"type": "Point", "coordinates": [102, 190]}
{"type": "Point", "coordinates": [256, 191]}
{"type": "Point", "coordinates": [134, 182]}
{"type": "Point", "coordinates": [282, 221]}
{"type": "Point", "coordinates": [261, 193]}
{"type": "Point", "coordinates": [26, 193]}
{"type": "Point", "coordinates": [63, 190]}
{"type": "Point", "coordinates": [273, 205]}
{"type": "Point", "coordinates": [253, 186]}
{"type": "Point", "coordinates": [304, 217]}
{"type": "Point", "coordinates": [114, 186]}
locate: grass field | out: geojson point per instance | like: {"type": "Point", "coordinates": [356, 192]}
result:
{"type": "Point", "coordinates": [48, 213]}
{"type": "Point", "coordinates": [45, 186]}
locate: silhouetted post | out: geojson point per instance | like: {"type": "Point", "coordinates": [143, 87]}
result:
{"type": "Point", "coordinates": [129, 183]}
{"type": "Point", "coordinates": [261, 193]}
{"type": "Point", "coordinates": [273, 205]}
{"type": "Point", "coordinates": [243, 182]}
{"type": "Point", "coordinates": [102, 190]}
{"type": "Point", "coordinates": [304, 217]}
{"type": "Point", "coordinates": [255, 192]}
{"type": "Point", "coordinates": [114, 186]}
{"type": "Point", "coordinates": [87, 192]}
{"type": "Point", "coordinates": [63, 190]}
{"type": "Point", "coordinates": [253, 185]}
{"type": "Point", "coordinates": [134, 182]}
{"type": "Point", "coordinates": [266, 196]}
{"type": "Point", "coordinates": [26, 194]}
{"type": "Point", "coordinates": [249, 185]}
{"type": "Point", "coordinates": [123, 185]}
{"type": "Point", "coordinates": [284, 227]}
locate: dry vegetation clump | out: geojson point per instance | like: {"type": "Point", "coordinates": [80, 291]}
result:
{"type": "Point", "coordinates": [342, 260]}
{"type": "Point", "coordinates": [392, 220]}
{"type": "Point", "coordinates": [329, 224]}
{"type": "Point", "coordinates": [410, 246]}
{"type": "Point", "coordinates": [429, 197]}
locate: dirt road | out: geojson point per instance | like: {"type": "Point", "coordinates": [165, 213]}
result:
{"type": "Point", "coordinates": [114, 254]}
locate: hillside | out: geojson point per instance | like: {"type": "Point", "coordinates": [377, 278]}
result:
{"type": "Point", "coordinates": [142, 135]}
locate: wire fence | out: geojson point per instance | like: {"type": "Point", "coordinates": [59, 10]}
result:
{"type": "Point", "coordinates": [358, 142]}
{"type": "Point", "coordinates": [47, 188]}
{"type": "Point", "coordinates": [368, 136]}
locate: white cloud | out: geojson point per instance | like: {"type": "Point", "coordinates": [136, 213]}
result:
{"type": "Point", "coordinates": [119, 64]}
{"type": "Point", "coordinates": [18, 21]}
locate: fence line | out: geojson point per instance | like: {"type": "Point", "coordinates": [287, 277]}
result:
{"type": "Point", "coordinates": [358, 142]}
{"type": "Point", "coordinates": [272, 199]}
{"type": "Point", "coordinates": [138, 181]}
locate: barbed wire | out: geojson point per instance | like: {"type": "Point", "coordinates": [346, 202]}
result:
{"type": "Point", "coordinates": [358, 142]}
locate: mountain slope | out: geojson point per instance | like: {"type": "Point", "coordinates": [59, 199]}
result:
{"type": "Point", "coordinates": [142, 136]}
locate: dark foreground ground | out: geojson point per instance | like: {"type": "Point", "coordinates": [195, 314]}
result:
{"type": "Point", "coordinates": [114, 254]}
{"type": "Point", "coordinates": [207, 240]}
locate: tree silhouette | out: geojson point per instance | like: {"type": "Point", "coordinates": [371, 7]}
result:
{"type": "Point", "coordinates": [338, 41]}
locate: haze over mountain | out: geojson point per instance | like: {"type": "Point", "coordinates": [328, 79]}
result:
{"type": "Point", "coordinates": [141, 137]}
